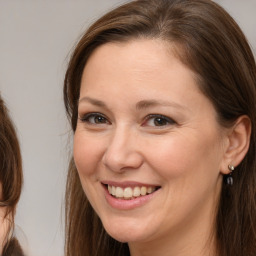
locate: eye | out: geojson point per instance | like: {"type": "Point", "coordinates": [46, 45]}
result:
{"type": "Point", "coordinates": [94, 118]}
{"type": "Point", "coordinates": [158, 120]}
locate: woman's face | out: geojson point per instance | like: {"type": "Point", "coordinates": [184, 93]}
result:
{"type": "Point", "coordinates": [147, 135]}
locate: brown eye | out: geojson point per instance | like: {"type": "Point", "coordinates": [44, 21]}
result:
{"type": "Point", "coordinates": [158, 120]}
{"type": "Point", "coordinates": [94, 118]}
{"type": "Point", "coordinates": [97, 120]}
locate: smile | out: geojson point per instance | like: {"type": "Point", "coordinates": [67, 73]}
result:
{"type": "Point", "coordinates": [129, 193]}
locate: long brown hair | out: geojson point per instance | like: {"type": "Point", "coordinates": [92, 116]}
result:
{"type": "Point", "coordinates": [11, 177]}
{"type": "Point", "coordinates": [212, 45]}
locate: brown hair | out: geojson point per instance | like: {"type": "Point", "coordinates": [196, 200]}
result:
{"type": "Point", "coordinates": [10, 168]}
{"type": "Point", "coordinates": [212, 45]}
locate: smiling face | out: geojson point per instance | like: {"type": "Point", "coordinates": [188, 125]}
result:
{"type": "Point", "coordinates": [147, 135]}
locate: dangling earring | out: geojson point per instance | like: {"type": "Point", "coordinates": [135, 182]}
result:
{"type": "Point", "coordinates": [228, 178]}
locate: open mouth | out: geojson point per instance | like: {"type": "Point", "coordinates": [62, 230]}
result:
{"type": "Point", "coordinates": [129, 193]}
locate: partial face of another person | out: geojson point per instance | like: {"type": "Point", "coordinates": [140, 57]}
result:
{"type": "Point", "coordinates": [148, 147]}
{"type": "Point", "coordinates": [4, 224]}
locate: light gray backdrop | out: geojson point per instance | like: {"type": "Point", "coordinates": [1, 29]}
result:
{"type": "Point", "coordinates": [36, 37]}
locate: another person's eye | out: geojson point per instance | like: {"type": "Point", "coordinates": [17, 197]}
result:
{"type": "Point", "coordinates": [94, 118]}
{"type": "Point", "coordinates": [158, 120]}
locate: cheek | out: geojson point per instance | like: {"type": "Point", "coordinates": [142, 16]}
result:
{"type": "Point", "coordinates": [189, 171]}
{"type": "Point", "coordinates": [169, 156]}
{"type": "Point", "coordinates": [87, 154]}
{"type": "Point", "coordinates": [185, 155]}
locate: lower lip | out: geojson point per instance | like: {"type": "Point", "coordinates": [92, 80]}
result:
{"type": "Point", "coordinates": [128, 204]}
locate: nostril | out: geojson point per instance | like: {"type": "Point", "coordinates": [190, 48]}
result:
{"type": "Point", "coordinates": [122, 161]}
{"type": "Point", "coordinates": [121, 153]}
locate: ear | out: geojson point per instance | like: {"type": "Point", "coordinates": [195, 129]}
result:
{"type": "Point", "coordinates": [237, 144]}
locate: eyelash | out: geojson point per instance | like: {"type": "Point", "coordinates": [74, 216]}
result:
{"type": "Point", "coordinates": [167, 121]}
{"type": "Point", "coordinates": [161, 118]}
{"type": "Point", "coordinates": [86, 118]}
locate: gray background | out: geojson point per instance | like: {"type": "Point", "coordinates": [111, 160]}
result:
{"type": "Point", "coordinates": [36, 38]}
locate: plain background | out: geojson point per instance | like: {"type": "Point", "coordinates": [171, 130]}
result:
{"type": "Point", "coordinates": [36, 38]}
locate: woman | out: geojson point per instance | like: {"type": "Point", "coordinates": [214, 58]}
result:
{"type": "Point", "coordinates": [10, 183]}
{"type": "Point", "coordinates": [161, 98]}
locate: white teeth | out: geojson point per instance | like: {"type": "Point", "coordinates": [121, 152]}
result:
{"type": "Point", "coordinates": [113, 191]}
{"type": "Point", "coordinates": [119, 192]}
{"type": "Point", "coordinates": [136, 192]}
{"type": "Point", "coordinates": [129, 193]}
{"type": "Point", "coordinates": [143, 191]}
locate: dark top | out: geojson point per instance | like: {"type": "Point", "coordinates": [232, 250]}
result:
{"type": "Point", "coordinates": [13, 248]}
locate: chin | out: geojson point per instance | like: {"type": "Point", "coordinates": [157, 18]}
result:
{"type": "Point", "coordinates": [126, 233]}
{"type": "Point", "coordinates": [125, 236]}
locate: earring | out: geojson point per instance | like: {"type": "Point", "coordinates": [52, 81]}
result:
{"type": "Point", "coordinates": [228, 177]}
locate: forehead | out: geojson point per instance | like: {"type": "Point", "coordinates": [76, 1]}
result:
{"type": "Point", "coordinates": [143, 59]}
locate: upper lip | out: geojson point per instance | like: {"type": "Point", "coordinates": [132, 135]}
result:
{"type": "Point", "coordinates": [125, 184]}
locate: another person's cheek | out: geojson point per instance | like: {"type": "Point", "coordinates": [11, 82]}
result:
{"type": "Point", "coordinates": [3, 227]}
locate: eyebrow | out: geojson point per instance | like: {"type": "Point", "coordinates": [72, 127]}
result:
{"type": "Point", "coordinates": [143, 104]}
{"type": "Point", "coordinates": [95, 102]}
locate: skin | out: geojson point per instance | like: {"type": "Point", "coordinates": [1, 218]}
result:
{"type": "Point", "coordinates": [183, 155]}
{"type": "Point", "coordinates": [3, 223]}
{"type": "Point", "coordinates": [3, 229]}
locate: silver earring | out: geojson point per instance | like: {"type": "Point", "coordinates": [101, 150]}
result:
{"type": "Point", "coordinates": [228, 177]}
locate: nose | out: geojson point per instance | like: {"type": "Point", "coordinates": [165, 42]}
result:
{"type": "Point", "coordinates": [122, 152]}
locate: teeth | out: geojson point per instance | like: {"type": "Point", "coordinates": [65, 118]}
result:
{"type": "Point", "coordinates": [143, 191]}
{"type": "Point", "coordinates": [129, 193]}
{"type": "Point", "coordinates": [136, 192]}
{"type": "Point", "coordinates": [149, 190]}
{"type": "Point", "coordinates": [113, 190]}
{"type": "Point", "coordinates": [119, 192]}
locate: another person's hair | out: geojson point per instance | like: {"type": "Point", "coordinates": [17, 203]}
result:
{"type": "Point", "coordinates": [207, 40]}
{"type": "Point", "coordinates": [11, 177]}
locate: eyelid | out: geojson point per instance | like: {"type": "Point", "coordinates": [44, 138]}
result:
{"type": "Point", "coordinates": [84, 117]}
{"type": "Point", "coordinates": [168, 119]}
